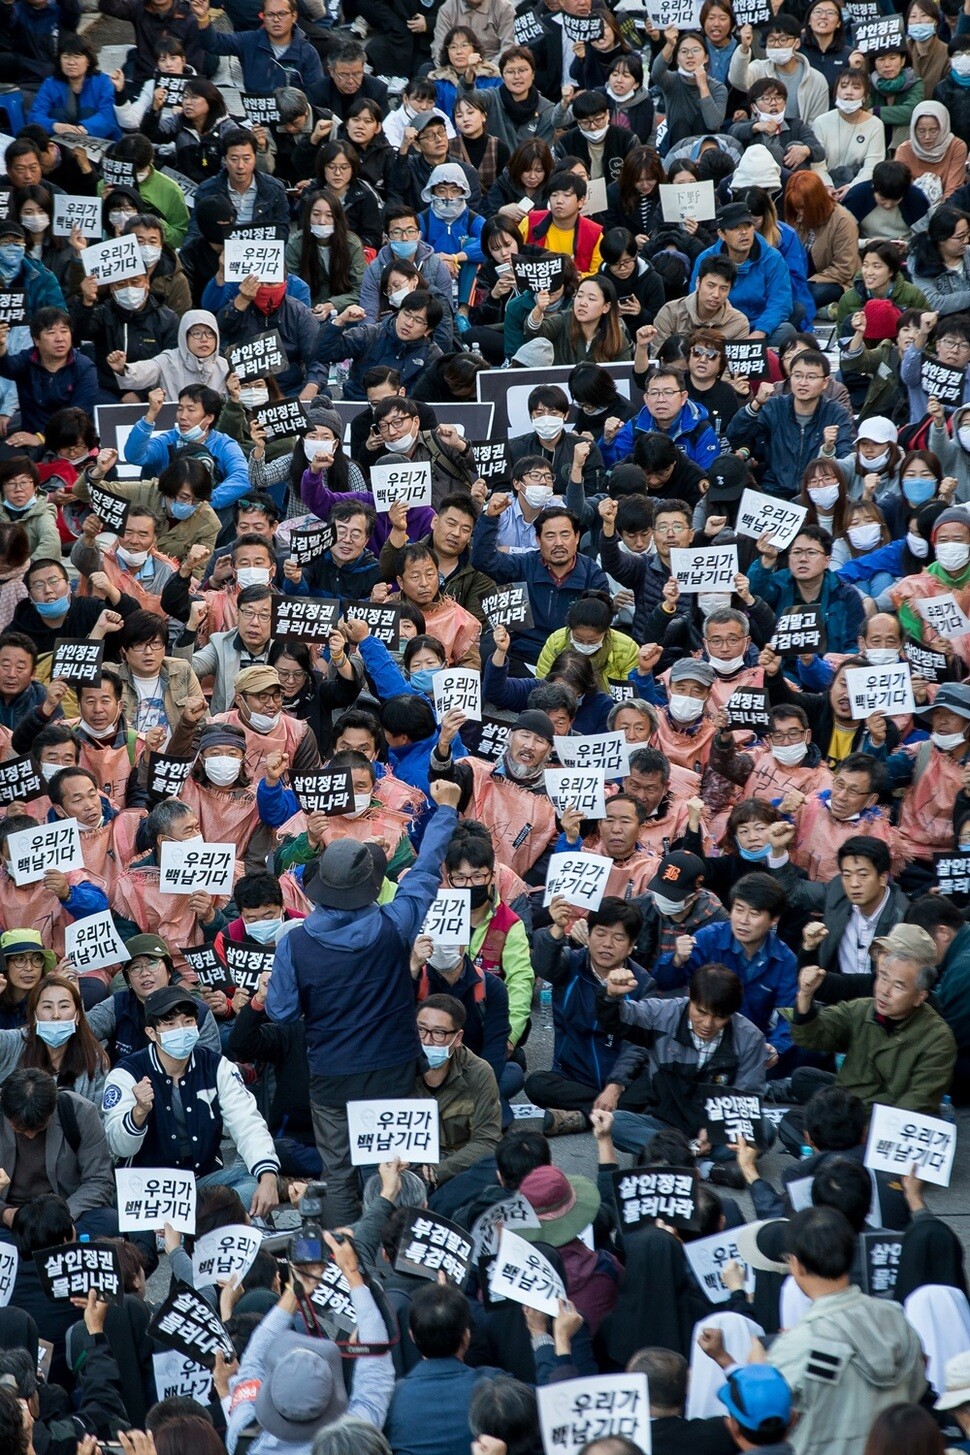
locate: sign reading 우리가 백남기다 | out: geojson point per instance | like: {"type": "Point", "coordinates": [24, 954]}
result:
{"type": "Point", "coordinates": [186, 1323]}
{"type": "Point", "coordinates": [944, 614]}
{"type": "Point", "coordinates": [577, 877]}
{"type": "Point", "coordinates": [679, 14]}
{"type": "Point", "coordinates": [431, 1244]}
{"type": "Point", "coordinates": [583, 789]}
{"type": "Point", "coordinates": [448, 921]}
{"type": "Point", "coordinates": [609, 751]}
{"type": "Point", "coordinates": [409, 481]}
{"type": "Point", "coordinates": [191, 867]}
{"type": "Point", "coordinates": [509, 606]}
{"type": "Point", "coordinates": [682, 200]}
{"type": "Point", "coordinates": [150, 1197]}
{"type": "Point", "coordinates": [644, 1194]}
{"type": "Point", "coordinates": [71, 1270]}
{"type": "Point", "coordinates": [538, 275]}
{"type": "Point", "coordinates": [574, 1412]}
{"type": "Point", "coordinates": [324, 790]}
{"type": "Point", "coordinates": [759, 513]}
{"type": "Point", "coordinates": [900, 1141]}
{"type": "Point", "coordinates": [522, 1274]}
{"type": "Point", "coordinates": [886, 689]}
{"type": "Point", "coordinates": [77, 660]}
{"type": "Point", "coordinates": [708, 569]}
{"type": "Point", "coordinates": [938, 381]}
{"type": "Point", "coordinates": [114, 260]}
{"type": "Point", "coordinates": [93, 942]}
{"type": "Point", "coordinates": [708, 1258]}
{"type": "Point", "coordinates": [245, 256]}
{"type": "Point", "coordinates": [393, 1127]}
{"type": "Point", "coordinates": [178, 1377]}
{"type": "Point", "coordinates": [20, 781]}
{"type": "Point", "coordinates": [83, 213]}
{"type": "Point", "coordinates": [799, 631]}
{"type": "Point", "coordinates": [9, 1263]}
{"type": "Point", "coordinates": [731, 1114]}
{"type": "Point", "coordinates": [309, 618]}
{"type": "Point", "coordinates": [257, 357]}
{"type": "Point", "coordinates": [458, 689]}
{"type": "Point", "coordinates": [225, 1252]}
{"type": "Point", "coordinates": [32, 852]}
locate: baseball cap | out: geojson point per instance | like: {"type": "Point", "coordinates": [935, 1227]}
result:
{"type": "Point", "coordinates": [727, 478]}
{"type": "Point", "coordinates": [909, 940]}
{"type": "Point", "coordinates": [763, 1245]}
{"type": "Point", "coordinates": [878, 430]}
{"type": "Point", "coordinates": [692, 669]}
{"type": "Point", "coordinates": [755, 1395]}
{"type": "Point", "coordinates": [677, 875]}
{"type": "Point", "coordinates": [162, 1002]}
{"type": "Point", "coordinates": [148, 945]}
{"type": "Point", "coordinates": [734, 214]}
{"type": "Point", "coordinates": [956, 1382]}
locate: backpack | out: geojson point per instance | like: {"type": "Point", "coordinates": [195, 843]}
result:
{"type": "Point", "coordinates": [916, 436]}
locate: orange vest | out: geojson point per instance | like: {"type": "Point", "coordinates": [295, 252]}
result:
{"type": "Point", "coordinates": [221, 616]}
{"type": "Point", "coordinates": [722, 690]}
{"type": "Point", "coordinates": [522, 824]}
{"type": "Point", "coordinates": [926, 818]}
{"type": "Point", "coordinates": [34, 907]}
{"type": "Point", "coordinates": [396, 794]}
{"type": "Point", "coordinates": [109, 849]}
{"type": "Point", "coordinates": [226, 815]}
{"type": "Point", "coordinates": [136, 897]}
{"type": "Point", "coordinates": [293, 897]}
{"type": "Point", "coordinates": [769, 779]}
{"type": "Point", "coordinates": [286, 737]}
{"type": "Point", "coordinates": [687, 750]}
{"type": "Point", "coordinates": [110, 766]}
{"type": "Point", "coordinates": [820, 837]}
{"type": "Point", "coordinates": [455, 628]}
{"type": "Point", "coordinates": [123, 580]}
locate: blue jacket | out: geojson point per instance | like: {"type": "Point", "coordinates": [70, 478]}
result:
{"type": "Point", "coordinates": [773, 435]}
{"type": "Point", "coordinates": [841, 605]}
{"type": "Point", "coordinates": [40, 285]}
{"type": "Point", "coordinates": [794, 254]}
{"type": "Point", "coordinates": [429, 1407]}
{"type": "Point", "coordinates": [269, 209]}
{"type": "Point", "coordinates": [770, 980]}
{"type": "Point", "coordinates": [42, 393]}
{"type": "Point", "coordinates": [31, 32]}
{"type": "Point", "coordinates": [513, 694]}
{"type": "Point", "coordinates": [298, 331]}
{"type": "Point", "coordinates": [462, 235]}
{"type": "Point", "coordinates": [214, 297]}
{"type": "Point", "coordinates": [371, 345]}
{"type": "Point", "coordinates": [348, 971]}
{"type": "Point", "coordinates": [299, 65]}
{"type": "Point", "coordinates": [762, 290]}
{"type": "Point", "coordinates": [690, 432]}
{"type": "Point", "coordinates": [95, 106]}
{"type": "Point", "coordinates": [550, 599]}
{"type": "Point", "coordinates": [154, 454]}
{"type": "Point", "coordinates": [582, 1050]}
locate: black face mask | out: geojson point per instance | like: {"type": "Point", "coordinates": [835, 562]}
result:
{"type": "Point", "coordinates": [480, 894]}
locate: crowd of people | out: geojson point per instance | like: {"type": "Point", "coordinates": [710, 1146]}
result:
{"type": "Point", "coordinates": [290, 658]}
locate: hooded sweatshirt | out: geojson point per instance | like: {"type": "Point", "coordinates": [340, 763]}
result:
{"type": "Point", "coordinates": [174, 369]}
{"type": "Point", "coordinates": [952, 455]}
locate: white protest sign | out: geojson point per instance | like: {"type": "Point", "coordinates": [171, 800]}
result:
{"type": "Point", "coordinates": [680, 14]}
{"type": "Point", "coordinates": [710, 568]}
{"type": "Point", "coordinates": [758, 513]}
{"type": "Point", "coordinates": [179, 1377]}
{"type": "Point", "coordinates": [683, 200]}
{"type": "Point", "coordinates": [944, 614]}
{"type": "Point", "coordinates": [409, 481]}
{"type": "Point", "coordinates": [609, 751]}
{"type": "Point", "coordinates": [401, 1127]}
{"type": "Point", "coordinates": [522, 1274]}
{"type": "Point", "coordinates": [512, 1212]}
{"type": "Point", "coordinates": [583, 789]}
{"type": "Point", "coordinates": [527, 1111]}
{"type": "Point", "coordinates": [458, 687]}
{"type": "Point", "coordinates": [93, 942]}
{"type": "Point", "coordinates": [449, 921]}
{"type": "Point", "coordinates": [899, 1139]}
{"type": "Point", "coordinates": [49, 846]}
{"type": "Point", "coordinates": [113, 260]}
{"type": "Point", "coordinates": [245, 256]}
{"type": "Point", "coordinates": [83, 213]}
{"type": "Point", "coordinates": [578, 877]}
{"type": "Point", "coordinates": [225, 1252]}
{"type": "Point", "coordinates": [886, 689]}
{"type": "Point", "coordinates": [708, 1258]}
{"type": "Point", "coordinates": [150, 1197]}
{"type": "Point", "coordinates": [9, 1263]}
{"type": "Point", "coordinates": [194, 865]}
{"type": "Point", "coordinates": [574, 1412]}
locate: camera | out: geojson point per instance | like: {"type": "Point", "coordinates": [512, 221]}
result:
{"type": "Point", "coordinates": [307, 1246]}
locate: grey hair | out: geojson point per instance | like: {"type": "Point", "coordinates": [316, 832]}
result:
{"type": "Point", "coordinates": [554, 697]}
{"type": "Point", "coordinates": [413, 1192]}
{"type": "Point", "coordinates": [291, 104]}
{"type": "Point", "coordinates": [727, 616]}
{"type": "Point", "coordinates": [164, 816]}
{"type": "Point", "coordinates": [925, 973]}
{"type": "Point", "coordinates": [350, 1436]}
{"type": "Point", "coordinates": [638, 705]}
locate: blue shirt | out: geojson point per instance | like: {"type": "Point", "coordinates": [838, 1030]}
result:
{"type": "Point", "coordinates": [769, 978]}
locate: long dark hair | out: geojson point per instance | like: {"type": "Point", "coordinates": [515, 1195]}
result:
{"type": "Point", "coordinates": [311, 268]}
{"type": "Point", "coordinates": [640, 162]}
{"type": "Point", "coordinates": [924, 249]}
{"type": "Point", "coordinates": [213, 98]}
{"type": "Point", "coordinates": [608, 338]}
{"type": "Point", "coordinates": [83, 1055]}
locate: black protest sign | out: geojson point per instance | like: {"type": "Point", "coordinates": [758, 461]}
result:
{"type": "Point", "coordinates": [20, 781]}
{"type": "Point", "coordinates": [210, 972]}
{"type": "Point", "coordinates": [77, 660]}
{"type": "Point", "coordinates": [509, 606]}
{"type": "Point", "coordinates": [246, 961]}
{"type": "Point", "coordinates": [172, 87]}
{"type": "Point", "coordinates": [111, 510]}
{"type": "Point", "coordinates": [752, 12]}
{"type": "Point", "coordinates": [952, 873]}
{"type": "Point", "coordinates": [487, 739]}
{"type": "Point", "coordinates": [527, 29]}
{"type": "Point", "coordinates": [288, 417]}
{"type": "Point", "coordinates": [307, 545]}
{"type": "Point", "coordinates": [940, 382]}
{"type": "Point", "coordinates": [731, 1114]}
{"type": "Point", "coordinates": [118, 174]}
{"type": "Point", "coordinates": [746, 357]}
{"type": "Point", "coordinates": [870, 36]}
{"type": "Point", "coordinates": [881, 1253]}
{"type": "Point", "coordinates": [747, 707]}
{"type": "Point", "coordinates": [186, 186]}
{"type": "Point", "coordinates": [13, 306]}
{"type": "Point", "coordinates": [187, 1323]}
{"type": "Point", "coordinates": [670, 1193]}
{"type": "Point", "coordinates": [167, 775]}
{"type": "Point", "coordinates": [539, 275]}
{"type": "Point", "coordinates": [333, 1303]}
{"type": "Point", "coordinates": [71, 1270]}
{"type": "Point", "coordinates": [925, 663]}
{"type": "Point", "coordinates": [323, 791]}
{"type": "Point", "coordinates": [430, 1243]}
{"type": "Point", "coordinates": [620, 689]}
{"type": "Point", "coordinates": [260, 110]}
{"type": "Point", "coordinates": [258, 357]}
{"type": "Point", "coordinates": [384, 621]}
{"type": "Point", "coordinates": [799, 632]}
{"type": "Point", "coordinates": [492, 462]}
{"type": "Point", "coordinates": [583, 27]}
{"type": "Point", "coordinates": [309, 618]}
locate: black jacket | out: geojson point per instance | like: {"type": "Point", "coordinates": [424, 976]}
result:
{"type": "Point", "coordinates": [617, 142]}
{"type": "Point", "coordinates": [371, 87]}
{"type": "Point", "coordinates": [254, 1037]}
{"type": "Point", "coordinates": [139, 336]}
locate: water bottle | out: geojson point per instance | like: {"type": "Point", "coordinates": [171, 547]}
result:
{"type": "Point", "coordinates": [806, 1151]}
{"type": "Point", "coordinates": [947, 1114]}
{"type": "Point", "coordinates": [545, 1004]}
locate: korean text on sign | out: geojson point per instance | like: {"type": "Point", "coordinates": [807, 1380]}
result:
{"type": "Point", "coordinates": [669, 1193]}
{"type": "Point", "coordinates": [522, 1274]}
{"type": "Point", "coordinates": [380, 1130]}
{"type": "Point", "coordinates": [243, 258]}
{"type": "Point", "coordinates": [708, 569]}
{"type": "Point", "coordinates": [410, 482]}
{"type": "Point", "coordinates": [431, 1244]}
{"type": "Point", "coordinates": [609, 751]}
{"type": "Point", "coordinates": [32, 852]}
{"type": "Point", "coordinates": [880, 689]}
{"type": "Point", "coordinates": [900, 1140]}
{"type": "Point", "coordinates": [224, 1252]}
{"type": "Point", "coordinates": [448, 921]}
{"type": "Point", "coordinates": [731, 1114]}
{"type": "Point", "coordinates": [189, 867]}
{"type": "Point", "coordinates": [579, 878]}
{"type": "Point", "coordinates": [148, 1198]}
{"type": "Point", "coordinates": [572, 788]}
{"type": "Point", "coordinates": [458, 689]}
{"type": "Point", "coordinates": [573, 1412]}
{"type": "Point", "coordinates": [759, 513]}
{"type": "Point", "coordinates": [708, 1258]}
{"type": "Point", "coordinates": [112, 261]}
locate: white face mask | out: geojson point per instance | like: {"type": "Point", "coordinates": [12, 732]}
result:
{"type": "Point", "coordinates": [616, 96]}
{"type": "Point", "coordinates": [960, 63]}
{"type": "Point", "coordinates": [823, 496]}
{"type": "Point", "coordinates": [758, 115]}
{"type": "Point", "coordinates": [685, 709]}
{"type": "Point", "coordinates": [134, 560]}
{"type": "Point", "coordinates": [594, 136]}
{"type": "Point", "coordinates": [314, 448]}
{"type": "Point", "coordinates": [847, 107]}
{"type": "Point", "coordinates": [119, 218]}
{"type": "Point", "coordinates": [99, 733]}
{"type": "Point", "coordinates": [322, 230]}
{"type": "Point", "coordinates": [952, 556]}
{"type": "Point", "coordinates": [790, 755]}
{"type": "Point", "coordinates": [130, 298]}
{"type": "Point", "coordinates": [536, 496]}
{"type": "Point", "coordinates": [878, 462]}
{"type": "Point", "coordinates": [865, 537]}
{"type": "Point", "coordinates": [445, 957]}
{"type": "Point", "coordinates": [36, 222]}
{"type": "Point", "coordinates": [264, 722]}
{"type": "Point", "coordinates": [780, 55]}
{"type": "Point", "coordinates": [963, 435]}
{"type": "Point", "coordinates": [50, 770]}
{"type": "Point", "coordinates": [946, 742]}
{"type": "Point", "coordinates": [917, 545]}
{"type": "Point", "coordinates": [361, 805]}
{"type": "Point", "coordinates": [726, 668]}
{"type": "Point", "coordinates": [548, 426]}
{"type": "Point", "coordinates": [709, 601]}
{"type": "Point", "coordinates": [252, 576]}
{"type": "Point", "coordinates": [396, 298]}
{"type": "Point", "coordinates": [666, 906]}
{"type": "Point", "coordinates": [150, 254]}
{"type": "Point", "coordinates": [254, 398]}
{"type": "Point", "coordinates": [585, 649]}
{"type": "Point", "coordinates": [222, 770]}
{"type": "Point", "coordinates": [881, 656]}
{"type": "Point", "coordinates": [402, 445]}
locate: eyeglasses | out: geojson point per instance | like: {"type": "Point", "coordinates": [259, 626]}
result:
{"type": "Point", "coordinates": [435, 1035]}
{"type": "Point", "coordinates": [801, 378]}
{"type": "Point", "coordinates": [297, 675]}
{"type": "Point", "coordinates": [733, 641]}
{"type": "Point", "coordinates": [794, 735]}
{"type": "Point", "coordinates": [200, 333]}
{"type": "Point", "coordinates": [538, 477]}
{"type": "Point", "coordinates": [800, 555]}
{"type": "Point", "coordinates": [477, 877]}
{"type": "Point", "coordinates": [338, 166]}
{"type": "Point", "coordinates": [149, 967]}
{"type": "Point", "coordinates": [246, 613]}
{"type": "Point", "coordinates": [399, 233]}
{"type": "Point", "coordinates": [414, 317]}
{"type": "Point", "coordinates": [393, 421]}
{"type": "Point", "coordinates": [272, 694]}
{"type": "Point", "coordinates": [663, 393]}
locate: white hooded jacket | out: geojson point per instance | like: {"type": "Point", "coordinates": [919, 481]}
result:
{"type": "Point", "coordinates": [174, 369]}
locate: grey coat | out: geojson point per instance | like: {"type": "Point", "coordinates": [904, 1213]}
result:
{"type": "Point", "coordinates": [85, 1179]}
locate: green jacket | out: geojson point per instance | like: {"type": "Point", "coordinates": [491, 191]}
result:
{"type": "Point", "coordinates": [910, 1068]}
{"type": "Point", "coordinates": [952, 994]}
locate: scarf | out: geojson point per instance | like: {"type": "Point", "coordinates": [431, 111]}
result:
{"type": "Point", "coordinates": [892, 84]}
{"type": "Point", "coordinates": [938, 113]}
{"type": "Point", "coordinates": [519, 112]}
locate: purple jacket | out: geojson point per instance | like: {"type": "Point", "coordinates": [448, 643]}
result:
{"type": "Point", "coordinates": [321, 500]}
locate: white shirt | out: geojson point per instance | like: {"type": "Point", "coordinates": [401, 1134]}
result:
{"type": "Point", "coordinates": [857, 940]}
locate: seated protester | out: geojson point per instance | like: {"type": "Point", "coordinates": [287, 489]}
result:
{"type": "Point", "coordinates": [949, 449]}
{"type": "Point", "coordinates": [320, 476]}
{"type": "Point", "coordinates": [695, 102]}
{"type": "Point", "coordinates": [591, 329]}
{"type": "Point", "coordinates": [706, 362]}
{"type": "Point", "coordinates": [338, 169]}
{"type": "Point", "coordinates": [399, 278]}
{"type": "Point", "coordinates": [579, 704]}
{"type": "Point", "coordinates": [948, 574]}
{"type": "Point", "coordinates": [678, 1046]}
{"type": "Point", "coordinates": [788, 760]}
{"type": "Point", "coordinates": [360, 731]}
{"type": "Point", "coordinates": [790, 141]}
{"type": "Point", "coordinates": [646, 574]}
{"type": "Point", "coordinates": [179, 498]}
{"type": "Point", "coordinates": [596, 397]}
{"type": "Point", "coordinates": [632, 199]}
{"type": "Point", "coordinates": [463, 1085]}
{"type": "Point", "coordinates": [326, 254]}
{"type": "Point", "coordinates": [255, 196]}
{"type": "Point", "coordinates": [255, 514]}
{"type": "Point", "coordinates": [563, 228]}
{"type": "Point", "coordinates": [617, 837]}
{"type": "Point", "coordinates": [611, 654]}
{"type": "Point", "coordinates": [423, 148]}
{"type": "Point", "coordinates": [829, 232]}
{"type": "Point", "coordinates": [41, 287]}
{"type": "Point", "coordinates": [530, 353]}
{"type": "Point", "coordinates": [787, 431]}
{"type": "Point", "coordinates": [834, 730]}
{"type": "Point", "coordinates": [20, 692]}
{"type": "Point", "coordinates": [557, 562]}
{"type": "Point", "coordinates": [278, 45]}
{"type": "Point", "coordinates": [881, 334]}
{"type": "Point", "coordinates": [129, 327]}
{"type": "Point", "coordinates": [594, 139]}
{"type": "Point", "coordinates": [261, 307]}
{"type": "Point", "coordinates": [450, 455]}
{"type": "Point", "coordinates": [674, 902]}
{"type": "Point", "coordinates": [449, 538]}
{"type": "Point", "coordinates": [192, 358]}
{"type": "Point", "coordinates": [133, 565]}
{"type": "Point", "coordinates": [572, 460]}
{"type": "Point", "coordinates": [177, 919]}
{"type": "Point", "coordinates": [404, 244]}
{"type": "Point", "coordinates": [348, 568]}
{"type": "Point", "coordinates": [196, 435]}
{"type": "Point", "coordinates": [309, 695]}
{"type": "Point", "coordinates": [659, 787]}
{"type": "Point", "coordinates": [501, 918]}
{"type": "Point", "coordinates": [807, 89]}
{"type": "Point", "coordinates": [55, 1038]}
{"type": "Point", "coordinates": [667, 410]}
{"type": "Point", "coordinates": [939, 917]}
{"type": "Point", "coordinates": [809, 580]}
{"type": "Point", "coordinates": [44, 904]}
{"type": "Point", "coordinates": [364, 127]}
{"type": "Point", "coordinates": [77, 99]}
{"type": "Point", "coordinates": [630, 104]}
{"type": "Point", "coordinates": [226, 653]}
{"type": "Point", "coordinates": [912, 1066]}
{"type": "Point", "coordinates": [762, 289]}
{"type": "Point", "coordinates": [119, 1021]}
{"type": "Point", "coordinates": [450, 970]}
{"type": "Point", "coordinates": [949, 339]}
{"type": "Point", "coordinates": [254, 563]}
{"type": "Point", "coordinates": [778, 235]}
{"type": "Point", "coordinates": [897, 89]}
{"type": "Point", "coordinates": [517, 112]}
{"type": "Point", "coordinates": [140, 1124]}
{"type": "Point", "coordinates": [107, 834]}
{"type": "Point", "coordinates": [788, 353]}
{"type": "Point", "coordinates": [450, 228]}
{"type": "Point", "coordinates": [22, 502]}
{"type": "Point", "coordinates": [190, 136]}
{"type": "Point", "coordinates": [370, 820]}
{"type": "Point", "coordinates": [108, 747]}
{"type": "Point", "coordinates": [639, 287]}
{"type": "Point", "coordinates": [939, 264]}
{"type": "Point", "coordinates": [880, 276]}
{"type": "Point", "coordinates": [668, 1373]}
{"type": "Point", "coordinates": [221, 792]}
{"type": "Point", "coordinates": [459, 632]}
{"type": "Point", "coordinates": [889, 205]}
{"type": "Point", "coordinates": [25, 961]}
{"type": "Point", "coordinates": [687, 725]}
{"type": "Point", "coordinates": [949, 88]}
{"type": "Point", "coordinates": [154, 191]}
{"type": "Point", "coordinates": [402, 342]}
{"type": "Point", "coordinates": [51, 375]}
{"type": "Point", "coordinates": [35, 212]}
{"type": "Point", "coordinates": [29, 161]}
{"type": "Point", "coordinates": [297, 134]}
{"type": "Point", "coordinates": [931, 781]}
{"type": "Point", "coordinates": [29, 38]}
{"type": "Point", "coordinates": [51, 611]}
{"type": "Point", "coordinates": [473, 144]}
{"type": "Point", "coordinates": [853, 138]}
{"type": "Point", "coordinates": [258, 711]}
{"type": "Point", "coordinates": [932, 155]}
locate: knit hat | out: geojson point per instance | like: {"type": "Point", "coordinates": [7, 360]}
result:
{"type": "Point", "coordinates": [322, 414]}
{"type": "Point", "coordinates": [534, 721]}
{"type": "Point", "coordinates": [564, 1205]}
{"type": "Point", "coordinates": [447, 172]}
{"type": "Point", "coordinates": [757, 168]}
{"type": "Point", "coordinates": [257, 679]}
{"type": "Point", "coordinates": [692, 669]}
{"type": "Point", "coordinates": [953, 515]}
{"type": "Point", "coordinates": [302, 1389]}
{"type": "Point", "coordinates": [882, 319]}
{"type": "Point", "coordinates": [215, 217]}
{"type": "Point", "coordinates": [538, 353]}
